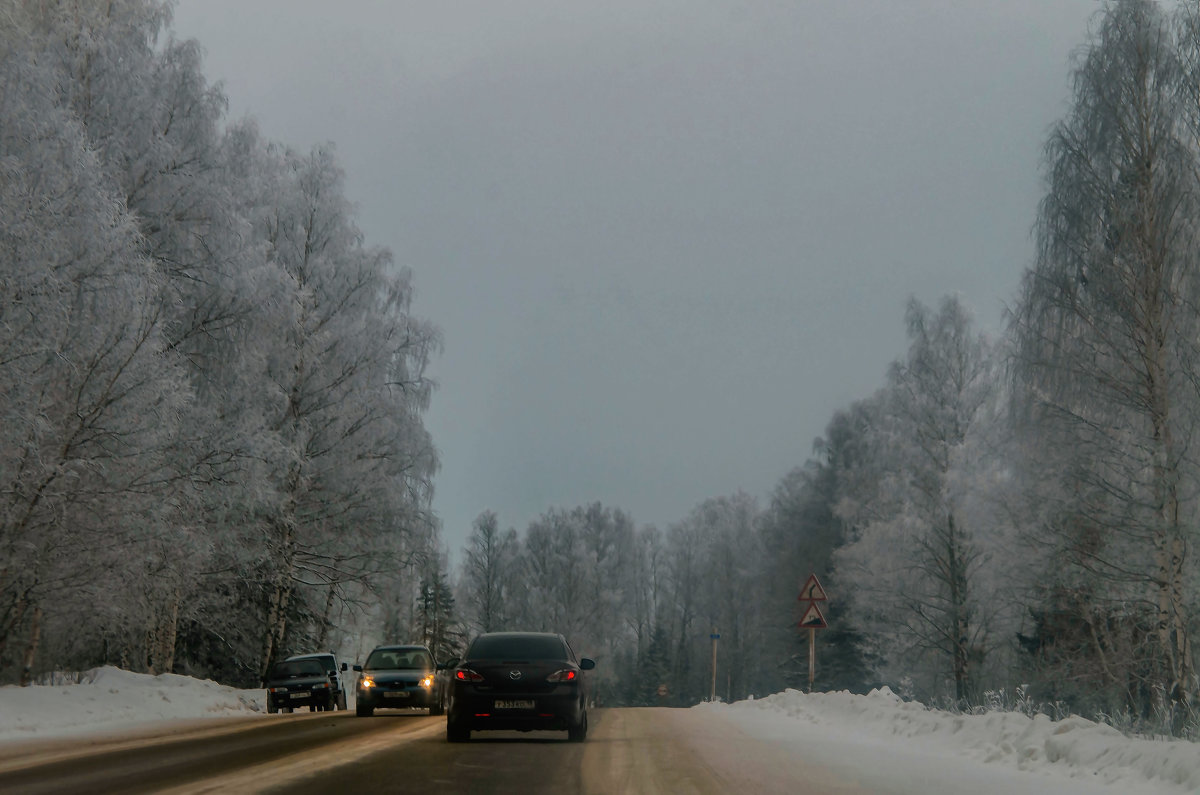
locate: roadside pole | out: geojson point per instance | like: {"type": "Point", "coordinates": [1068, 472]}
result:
{"type": "Point", "coordinates": [812, 656]}
{"type": "Point", "coordinates": [712, 696]}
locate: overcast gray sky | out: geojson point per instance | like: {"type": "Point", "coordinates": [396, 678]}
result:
{"type": "Point", "coordinates": [664, 239]}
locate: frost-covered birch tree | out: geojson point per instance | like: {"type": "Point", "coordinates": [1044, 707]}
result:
{"type": "Point", "coordinates": [353, 462]}
{"type": "Point", "coordinates": [913, 559]}
{"type": "Point", "coordinates": [488, 573]}
{"type": "Point", "coordinates": [732, 587]}
{"type": "Point", "coordinates": [1107, 329]}
{"type": "Point", "coordinates": [92, 396]}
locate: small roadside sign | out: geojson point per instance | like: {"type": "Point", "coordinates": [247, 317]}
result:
{"type": "Point", "coordinates": [812, 618]}
{"type": "Point", "coordinates": [812, 591]}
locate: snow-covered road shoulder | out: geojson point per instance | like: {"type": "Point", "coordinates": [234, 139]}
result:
{"type": "Point", "coordinates": [1071, 749]}
{"type": "Point", "coordinates": [111, 699]}
{"type": "Point", "coordinates": [879, 740]}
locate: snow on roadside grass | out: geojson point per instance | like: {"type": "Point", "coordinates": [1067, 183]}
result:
{"type": "Point", "coordinates": [1074, 747]}
{"type": "Point", "coordinates": [110, 698]}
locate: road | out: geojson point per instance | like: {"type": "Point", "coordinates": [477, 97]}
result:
{"type": "Point", "coordinates": [627, 751]}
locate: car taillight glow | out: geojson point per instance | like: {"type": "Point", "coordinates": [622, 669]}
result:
{"type": "Point", "coordinates": [563, 675]}
{"type": "Point", "coordinates": [467, 675]}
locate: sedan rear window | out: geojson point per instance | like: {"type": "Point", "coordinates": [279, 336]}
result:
{"type": "Point", "coordinates": [517, 647]}
{"type": "Point", "coordinates": [390, 659]}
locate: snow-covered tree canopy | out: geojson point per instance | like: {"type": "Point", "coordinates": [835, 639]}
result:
{"type": "Point", "coordinates": [213, 387]}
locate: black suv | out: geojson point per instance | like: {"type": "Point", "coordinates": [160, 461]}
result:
{"type": "Point", "coordinates": [399, 676]}
{"type": "Point", "coordinates": [299, 683]}
{"type": "Point", "coordinates": [331, 666]}
{"type": "Point", "coordinates": [518, 680]}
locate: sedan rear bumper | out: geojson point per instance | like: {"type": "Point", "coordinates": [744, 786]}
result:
{"type": "Point", "coordinates": [522, 712]}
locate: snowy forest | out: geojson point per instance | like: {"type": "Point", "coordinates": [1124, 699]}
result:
{"type": "Point", "coordinates": [214, 451]}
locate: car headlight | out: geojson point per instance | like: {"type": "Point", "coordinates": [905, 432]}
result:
{"type": "Point", "coordinates": [427, 682]}
{"type": "Point", "coordinates": [366, 683]}
{"type": "Point", "coordinates": [322, 686]}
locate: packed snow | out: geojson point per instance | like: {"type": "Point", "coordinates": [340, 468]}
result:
{"type": "Point", "coordinates": [883, 741]}
{"type": "Point", "coordinates": [110, 699]}
{"type": "Point", "coordinates": [879, 738]}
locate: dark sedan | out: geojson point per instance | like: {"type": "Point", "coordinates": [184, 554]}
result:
{"type": "Point", "coordinates": [518, 680]}
{"type": "Point", "coordinates": [398, 677]}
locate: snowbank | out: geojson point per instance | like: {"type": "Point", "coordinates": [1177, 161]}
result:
{"type": "Point", "coordinates": [1073, 748]}
{"type": "Point", "coordinates": [879, 737]}
{"type": "Point", "coordinates": [109, 698]}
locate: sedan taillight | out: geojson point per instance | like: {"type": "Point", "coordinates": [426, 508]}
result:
{"type": "Point", "coordinates": [563, 675]}
{"type": "Point", "coordinates": [467, 675]}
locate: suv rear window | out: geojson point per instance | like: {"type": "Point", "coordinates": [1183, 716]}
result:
{"type": "Point", "coordinates": [517, 647]}
{"type": "Point", "coordinates": [294, 668]}
{"type": "Point", "coordinates": [327, 661]}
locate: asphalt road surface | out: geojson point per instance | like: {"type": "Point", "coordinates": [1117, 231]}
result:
{"type": "Point", "coordinates": [627, 751]}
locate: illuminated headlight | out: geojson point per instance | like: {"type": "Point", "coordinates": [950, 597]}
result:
{"type": "Point", "coordinates": [367, 683]}
{"type": "Point", "coordinates": [427, 682]}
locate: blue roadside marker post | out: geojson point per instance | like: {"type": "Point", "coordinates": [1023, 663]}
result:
{"type": "Point", "coordinates": [812, 619]}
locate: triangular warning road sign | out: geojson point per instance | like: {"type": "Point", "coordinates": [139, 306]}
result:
{"type": "Point", "coordinates": [812, 590]}
{"type": "Point", "coordinates": [812, 618]}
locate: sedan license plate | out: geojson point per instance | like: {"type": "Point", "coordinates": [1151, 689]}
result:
{"type": "Point", "coordinates": [298, 695]}
{"type": "Point", "coordinates": [526, 704]}
{"type": "Point", "coordinates": [395, 695]}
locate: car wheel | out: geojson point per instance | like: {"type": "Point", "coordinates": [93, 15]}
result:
{"type": "Point", "coordinates": [578, 732]}
{"type": "Point", "coordinates": [363, 711]}
{"type": "Point", "coordinates": [271, 708]}
{"type": "Point", "coordinates": [456, 732]}
{"type": "Point", "coordinates": [436, 708]}
{"type": "Point", "coordinates": [287, 710]}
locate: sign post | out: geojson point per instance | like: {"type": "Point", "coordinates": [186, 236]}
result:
{"type": "Point", "coordinates": [812, 620]}
{"type": "Point", "coordinates": [812, 656]}
{"type": "Point", "coordinates": [715, 637]}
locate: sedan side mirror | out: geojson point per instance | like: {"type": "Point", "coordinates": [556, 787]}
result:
{"type": "Point", "coordinates": [358, 667]}
{"type": "Point", "coordinates": [343, 666]}
{"type": "Point", "coordinates": [586, 664]}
